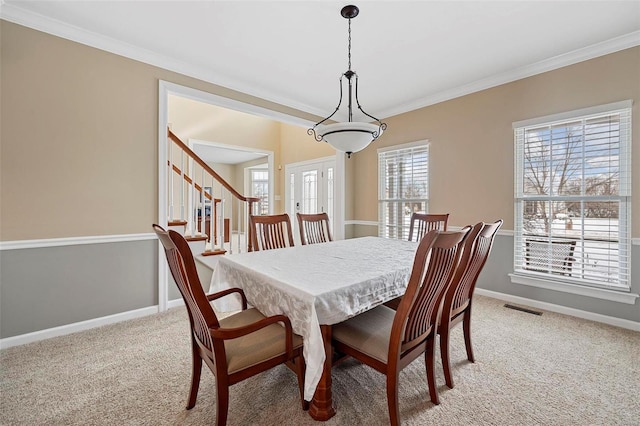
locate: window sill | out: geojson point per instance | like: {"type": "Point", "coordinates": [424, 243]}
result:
{"type": "Point", "coordinates": [598, 293]}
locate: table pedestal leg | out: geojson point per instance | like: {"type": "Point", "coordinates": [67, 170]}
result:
{"type": "Point", "coordinates": [321, 407]}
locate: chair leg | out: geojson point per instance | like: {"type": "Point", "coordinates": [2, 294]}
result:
{"type": "Point", "coordinates": [466, 328]}
{"type": "Point", "coordinates": [392, 397]}
{"type": "Point", "coordinates": [444, 352]}
{"type": "Point", "coordinates": [431, 378]}
{"type": "Point", "coordinates": [300, 369]}
{"type": "Point", "coordinates": [196, 369]}
{"type": "Point", "coordinates": [222, 406]}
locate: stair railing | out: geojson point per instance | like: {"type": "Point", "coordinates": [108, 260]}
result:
{"type": "Point", "coordinates": [204, 203]}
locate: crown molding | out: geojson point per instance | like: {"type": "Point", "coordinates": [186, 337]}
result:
{"type": "Point", "coordinates": [17, 15]}
{"type": "Point", "coordinates": [600, 49]}
{"type": "Point", "coordinates": [58, 28]}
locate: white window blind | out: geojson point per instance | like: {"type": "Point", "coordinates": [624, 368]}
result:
{"type": "Point", "coordinates": [573, 197]}
{"type": "Point", "coordinates": [403, 187]}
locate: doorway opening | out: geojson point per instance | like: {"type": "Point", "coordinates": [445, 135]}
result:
{"type": "Point", "coordinates": [167, 89]}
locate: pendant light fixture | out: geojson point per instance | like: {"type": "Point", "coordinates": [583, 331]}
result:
{"type": "Point", "coordinates": [351, 136]}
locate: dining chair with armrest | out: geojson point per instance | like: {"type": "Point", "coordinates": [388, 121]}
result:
{"type": "Point", "coordinates": [271, 231]}
{"type": "Point", "coordinates": [389, 340]}
{"type": "Point", "coordinates": [421, 223]}
{"type": "Point", "coordinates": [459, 296]}
{"type": "Point", "coordinates": [314, 228]}
{"type": "Point", "coordinates": [236, 347]}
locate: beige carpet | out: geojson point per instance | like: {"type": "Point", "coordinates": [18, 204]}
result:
{"type": "Point", "coordinates": [529, 370]}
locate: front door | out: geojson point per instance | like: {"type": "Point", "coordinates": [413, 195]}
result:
{"type": "Point", "coordinates": [310, 189]}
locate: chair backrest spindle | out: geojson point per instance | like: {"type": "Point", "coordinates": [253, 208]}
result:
{"type": "Point", "coordinates": [271, 232]}
{"type": "Point", "coordinates": [421, 223]}
{"type": "Point", "coordinates": [314, 228]}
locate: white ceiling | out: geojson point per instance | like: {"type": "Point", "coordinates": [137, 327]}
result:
{"type": "Point", "coordinates": [407, 54]}
{"type": "Point", "coordinates": [225, 155]}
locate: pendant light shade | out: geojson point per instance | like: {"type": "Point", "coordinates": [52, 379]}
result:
{"type": "Point", "coordinates": [351, 136]}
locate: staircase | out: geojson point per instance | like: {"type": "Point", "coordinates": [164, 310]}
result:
{"type": "Point", "coordinates": [206, 209]}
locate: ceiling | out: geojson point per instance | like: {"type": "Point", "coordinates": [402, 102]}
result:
{"type": "Point", "coordinates": [407, 54]}
{"type": "Point", "coordinates": [225, 155]}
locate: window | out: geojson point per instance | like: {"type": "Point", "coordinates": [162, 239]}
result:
{"type": "Point", "coordinates": [330, 180]}
{"type": "Point", "coordinates": [260, 188]}
{"type": "Point", "coordinates": [403, 188]}
{"type": "Point", "coordinates": [573, 197]}
{"type": "Point", "coordinates": [309, 191]}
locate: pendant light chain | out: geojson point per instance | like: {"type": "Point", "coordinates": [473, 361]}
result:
{"type": "Point", "coordinates": [349, 44]}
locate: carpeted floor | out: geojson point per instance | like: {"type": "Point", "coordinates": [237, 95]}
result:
{"type": "Point", "coordinates": [529, 370]}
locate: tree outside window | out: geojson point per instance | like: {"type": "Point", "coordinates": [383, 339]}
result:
{"type": "Point", "coordinates": [574, 188]}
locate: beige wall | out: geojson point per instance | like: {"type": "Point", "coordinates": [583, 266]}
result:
{"type": "Point", "coordinates": [79, 137]}
{"type": "Point", "coordinates": [226, 172]}
{"type": "Point", "coordinates": [197, 120]}
{"type": "Point", "coordinates": [296, 145]}
{"type": "Point", "coordinates": [471, 138]}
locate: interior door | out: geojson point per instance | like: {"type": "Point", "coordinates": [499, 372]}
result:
{"type": "Point", "coordinates": [310, 189]}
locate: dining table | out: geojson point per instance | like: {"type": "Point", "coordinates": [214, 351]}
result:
{"type": "Point", "coordinates": [317, 286]}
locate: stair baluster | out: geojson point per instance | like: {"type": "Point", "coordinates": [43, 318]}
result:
{"type": "Point", "coordinates": [196, 177]}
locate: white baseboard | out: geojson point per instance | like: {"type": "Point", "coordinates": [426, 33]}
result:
{"type": "Point", "coordinates": [75, 327]}
{"type": "Point", "coordinates": [618, 322]}
{"type": "Point", "coordinates": [150, 310]}
{"type": "Point", "coordinates": [175, 303]}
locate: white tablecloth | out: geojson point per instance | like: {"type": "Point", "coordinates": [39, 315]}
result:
{"type": "Point", "coordinates": [317, 284]}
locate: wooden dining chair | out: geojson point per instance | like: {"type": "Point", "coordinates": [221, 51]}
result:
{"type": "Point", "coordinates": [421, 223]}
{"type": "Point", "coordinates": [271, 231]}
{"type": "Point", "coordinates": [235, 347]}
{"type": "Point", "coordinates": [314, 228]}
{"type": "Point", "coordinates": [459, 296]}
{"type": "Point", "coordinates": [389, 340]}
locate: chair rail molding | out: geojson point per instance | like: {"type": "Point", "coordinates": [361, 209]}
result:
{"type": "Point", "coordinates": [73, 241]}
{"type": "Point", "coordinates": [361, 222]}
